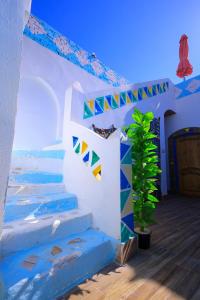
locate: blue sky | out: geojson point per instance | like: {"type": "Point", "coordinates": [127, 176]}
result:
{"type": "Point", "coordinates": [137, 38]}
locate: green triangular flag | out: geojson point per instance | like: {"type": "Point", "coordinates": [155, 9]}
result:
{"type": "Point", "coordinates": [87, 111]}
{"type": "Point", "coordinates": [114, 103]}
{"type": "Point", "coordinates": [78, 148]}
{"type": "Point", "coordinates": [95, 158]}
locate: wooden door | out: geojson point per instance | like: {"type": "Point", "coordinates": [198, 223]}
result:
{"type": "Point", "coordinates": [188, 163]}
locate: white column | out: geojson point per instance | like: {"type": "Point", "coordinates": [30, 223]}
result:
{"type": "Point", "coordinates": [163, 156]}
{"type": "Point", "coordinates": [13, 15]}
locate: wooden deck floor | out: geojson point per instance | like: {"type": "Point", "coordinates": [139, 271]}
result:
{"type": "Point", "coordinates": [169, 270]}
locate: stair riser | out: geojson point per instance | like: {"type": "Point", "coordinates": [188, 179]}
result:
{"type": "Point", "coordinates": [56, 154]}
{"type": "Point", "coordinates": [35, 178]}
{"type": "Point", "coordinates": [78, 271]}
{"type": "Point", "coordinates": [42, 232]}
{"type": "Point", "coordinates": [22, 165]}
{"type": "Point", "coordinates": [35, 189]}
{"type": "Point", "coordinates": [50, 280]}
{"type": "Point", "coordinates": [17, 211]}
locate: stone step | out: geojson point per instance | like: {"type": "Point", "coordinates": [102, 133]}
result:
{"type": "Point", "coordinates": [35, 189]}
{"type": "Point", "coordinates": [55, 154]}
{"type": "Point", "coordinates": [48, 271]}
{"type": "Point", "coordinates": [24, 207]}
{"type": "Point", "coordinates": [31, 177]}
{"type": "Point", "coordinates": [50, 161]}
{"type": "Point", "coordinates": [21, 235]}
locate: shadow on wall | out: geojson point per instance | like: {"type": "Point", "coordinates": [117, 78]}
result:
{"type": "Point", "coordinates": [38, 115]}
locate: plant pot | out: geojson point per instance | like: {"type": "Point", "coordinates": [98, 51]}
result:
{"type": "Point", "coordinates": [144, 239]}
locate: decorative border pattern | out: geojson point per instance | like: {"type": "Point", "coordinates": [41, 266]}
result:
{"type": "Point", "coordinates": [187, 87]}
{"type": "Point", "coordinates": [100, 105]}
{"type": "Point", "coordinates": [155, 129]}
{"type": "Point", "coordinates": [48, 37]}
{"type": "Point", "coordinates": [89, 157]}
{"type": "Point", "coordinates": [127, 220]}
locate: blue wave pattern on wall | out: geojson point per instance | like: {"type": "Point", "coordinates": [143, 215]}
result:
{"type": "Point", "coordinates": [187, 87]}
{"type": "Point", "coordinates": [48, 37]}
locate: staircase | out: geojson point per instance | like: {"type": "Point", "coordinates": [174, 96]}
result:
{"type": "Point", "coordinates": [48, 244]}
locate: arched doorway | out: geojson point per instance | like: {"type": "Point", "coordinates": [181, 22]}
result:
{"type": "Point", "coordinates": [184, 161]}
{"type": "Point", "coordinates": [38, 115]}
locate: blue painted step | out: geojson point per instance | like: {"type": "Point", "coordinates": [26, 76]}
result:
{"type": "Point", "coordinates": [47, 272]}
{"type": "Point", "coordinates": [35, 189]}
{"type": "Point", "coordinates": [21, 235]}
{"type": "Point", "coordinates": [36, 178]}
{"type": "Point", "coordinates": [55, 154]}
{"type": "Point", "coordinates": [49, 161]}
{"type": "Point", "coordinates": [24, 206]}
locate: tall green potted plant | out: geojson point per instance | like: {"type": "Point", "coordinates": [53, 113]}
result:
{"type": "Point", "coordinates": [145, 171]}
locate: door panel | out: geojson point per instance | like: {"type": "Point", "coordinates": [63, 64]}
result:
{"type": "Point", "coordinates": [188, 160]}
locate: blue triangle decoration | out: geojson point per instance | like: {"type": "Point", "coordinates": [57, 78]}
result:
{"type": "Point", "coordinates": [123, 150]}
{"type": "Point", "coordinates": [158, 87]}
{"type": "Point", "coordinates": [109, 99]}
{"type": "Point", "coordinates": [124, 181]}
{"type": "Point", "coordinates": [98, 109]}
{"type": "Point", "coordinates": [124, 197]}
{"type": "Point", "coordinates": [130, 95]}
{"type": "Point", "coordinates": [154, 90]}
{"type": "Point", "coordinates": [75, 140]}
{"type": "Point", "coordinates": [161, 88]}
{"type": "Point", "coordinates": [86, 157]}
{"type": "Point", "coordinates": [134, 97]}
{"type": "Point", "coordinates": [164, 87]}
{"type": "Point", "coordinates": [122, 99]}
{"type": "Point", "coordinates": [147, 91]}
{"type": "Point", "coordinates": [127, 159]}
{"type": "Point", "coordinates": [100, 102]}
{"type": "Point", "coordinates": [140, 94]}
{"type": "Point", "coordinates": [128, 220]}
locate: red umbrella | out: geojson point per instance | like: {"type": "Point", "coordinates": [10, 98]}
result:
{"type": "Point", "coordinates": [184, 67]}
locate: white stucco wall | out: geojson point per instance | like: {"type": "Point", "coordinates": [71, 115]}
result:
{"type": "Point", "coordinates": [102, 197]}
{"type": "Point", "coordinates": [187, 114]}
{"type": "Point", "coordinates": [12, 19]}
{"type": "Point", "coordinates": [45, 78]}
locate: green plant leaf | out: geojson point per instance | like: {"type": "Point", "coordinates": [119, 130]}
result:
{"type": "Point", "coordinates": [152, 198]}
{"type": "Point", "coordinates": [145, 167]}
{"type": "Point", "coordinates": [150, 135]}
